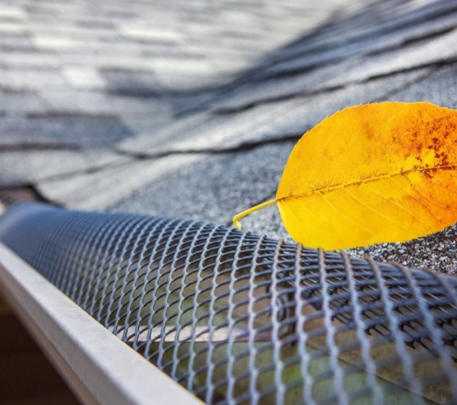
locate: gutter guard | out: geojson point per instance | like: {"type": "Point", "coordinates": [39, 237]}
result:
{"type": "Point", "coordinates": [240, 318]}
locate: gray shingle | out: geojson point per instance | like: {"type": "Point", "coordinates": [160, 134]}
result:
{"type": "Point", "coordinates": [18, 102]}
{"type": "Point", "coordinates": [213, 188]}
{"type": "Point", "coordinates": [31, 80]}
{"type": "Point", "coordinates": [82, 129]}
{"type": "Point", "coordinates": [439, 87]}
{"type": "Point", "coordinates": [26, 167]}
{"type": "Point", "coordinates": [104, 187]}
{"type": "Point", "coordinates": [275, 119]}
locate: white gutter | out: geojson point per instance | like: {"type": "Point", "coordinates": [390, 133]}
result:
{"type": "Point", "coordinates": [97, 366]}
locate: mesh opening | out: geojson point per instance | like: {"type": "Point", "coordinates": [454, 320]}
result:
{"type": "Point", "coordinates": [240, 318]}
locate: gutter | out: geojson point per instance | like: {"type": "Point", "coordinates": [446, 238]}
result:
{"type": "Point", "coordinates": [97, 366]}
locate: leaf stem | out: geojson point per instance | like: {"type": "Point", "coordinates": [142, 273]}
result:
{"type": "Point", "coordinates": [238, 217]}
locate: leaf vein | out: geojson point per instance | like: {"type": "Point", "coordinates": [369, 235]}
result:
{"type": "Point", "coordinates": [329, 189]}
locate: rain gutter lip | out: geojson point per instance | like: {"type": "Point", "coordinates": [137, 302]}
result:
{"type": "Point", "coordinates": [97, 366]}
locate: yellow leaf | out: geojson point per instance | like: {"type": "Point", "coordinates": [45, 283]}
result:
{"type": "Point", "coordinates": [382, 172]}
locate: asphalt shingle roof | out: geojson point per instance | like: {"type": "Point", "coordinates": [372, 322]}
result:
{"type": "Point", "coordinates": [190, 109]}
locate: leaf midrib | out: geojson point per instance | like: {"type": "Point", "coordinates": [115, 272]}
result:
{"type": "Point", "coordinates": [329, 189]}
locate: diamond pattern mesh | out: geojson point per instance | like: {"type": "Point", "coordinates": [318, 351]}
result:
{"type": "Point", "coordinates": [240, 318]}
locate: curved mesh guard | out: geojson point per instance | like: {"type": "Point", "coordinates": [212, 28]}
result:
{"type": "Point", "coordinates": [240, 318]}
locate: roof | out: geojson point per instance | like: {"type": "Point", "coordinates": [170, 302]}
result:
{"type": "Point", "coordinates": [188, 109]}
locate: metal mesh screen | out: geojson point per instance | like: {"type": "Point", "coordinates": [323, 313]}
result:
{"type": "Point", "coordinates": [241, 318]}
